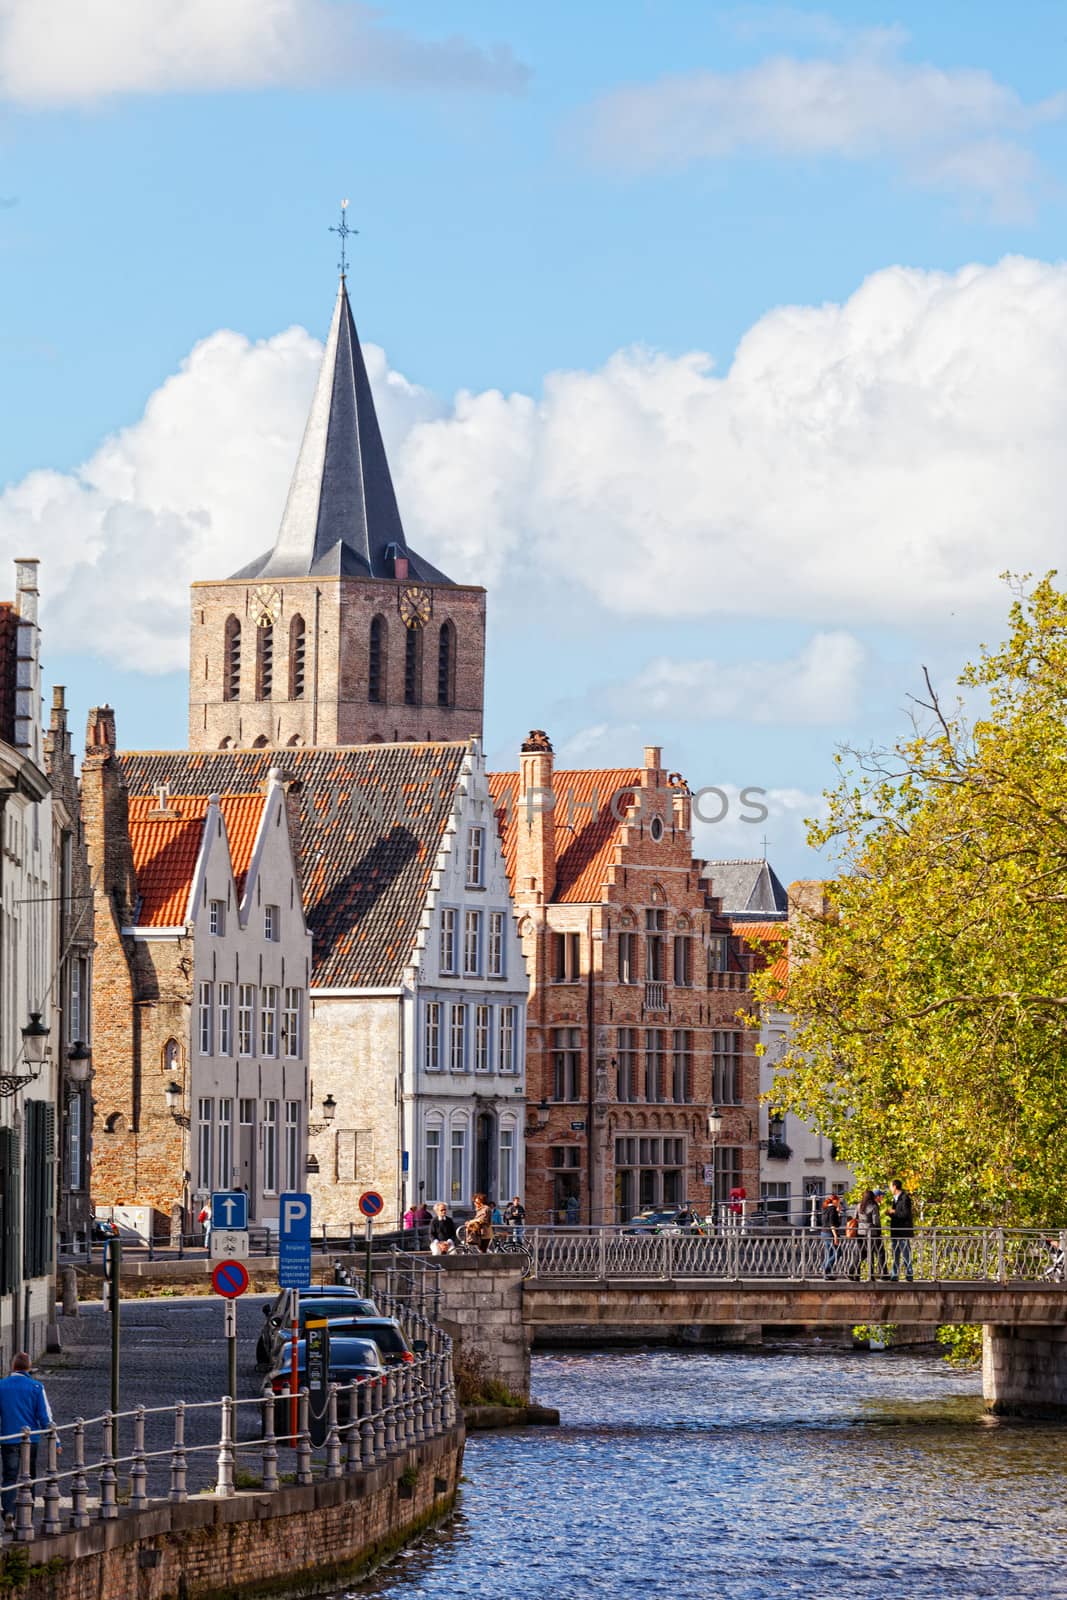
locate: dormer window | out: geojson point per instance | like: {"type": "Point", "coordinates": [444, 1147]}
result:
{"type": "Point", "coordinates": [271, 924]}
{"type": "Point", "coordinates": [216, 914]}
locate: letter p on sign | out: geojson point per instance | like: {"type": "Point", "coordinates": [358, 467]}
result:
{"type": "Point", "coordinates": [295, 1216]}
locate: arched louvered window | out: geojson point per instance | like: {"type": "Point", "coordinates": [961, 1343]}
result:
{"type": "Point", "coordinates": [264, 661]}
{"type": "Point", "coordinates": [378, 663]}
{"type": "Point", "coordinates": [297, 656]}
{"type": "Point", "coordinates": [413, 667]}
{"type": "Point", "coordinates": [446, 665]}
{"type": "Point", "coordinates": [231, 660]}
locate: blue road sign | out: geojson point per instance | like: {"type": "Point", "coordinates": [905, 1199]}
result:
{"type": "Point", "coordinates": [294, 1241]}
{"type": "Point", "coordinates": [229, 1210]}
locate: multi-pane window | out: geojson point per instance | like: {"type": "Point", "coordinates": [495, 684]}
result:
{"type": "Point", "coordinates": [75, 1141]}
{"type": "Point", "coordinates": [216, 917]}
{"type": "Point", "coordinates": [376, 662]}
{"type": "Point", "coordinates": [431, 1055]}
{"type": "Point", "coordinates": [627, 958]}
{"type": "Point", "coordinates": [472, 943]}
{"type": "Point", "coordinates": [566, 1063]}
{"type": "Point", "coordinates": [566, 957]}
{"type": "Point", "coordinates": [776, 1199]}
{"type": "Point", "coordinates": [508, 1061]}
{"type": "Point", "coordinates": [291, 1024]}
{"type": "Point", "coordinates": [204, 999]}
{"type": "Point", "coordinates": [246, 1019]}
{"type": "Point", "coordinates": [648, 1172]}
{"type": "Point", "coordinates": [292, 1144]}
{"type": "Point", "coordinates": [726, 1068]}
{"type": "Point", "coordinates": [431, 1167]}
{"type": "Point", "coordinates": [654, 1064]}
{"type": "Point", "coordinates": [717, 954]}
{"type": "Point", "coordinates": [225, 1144]}
{"type": "Point", "coordinates": [271, 924]}
{"type": "Point", "coordinates": [626, 1061]}
{"type": "Point", "coordinates": [78, 1011]}
{"type": "Point", "coordinates": [475, 857]}
{"type": "Point", "coordinates": [225, 1038]}
{"type": "Point", "coordinates": [270, 1146]}
{"type": "Point", "coordinates": [205, 1139]}
{"type": "Point", "coordinates": [727, 1171]}
{"type": "Point", "coordinates": [682, 1067]}
{"type": "Point", "coordinates": [268, 1021]}
{"type": "Point", "coordinates": [506, 1170]}
{"type": "Point", "coordinates": [456, 1164]}
{"type": "Point", "coordinates": [483, 1017]}
{"type": "Point", "coordinates": [495, 950]}
{"type": "Point", "coordinates": [655, 946]}
{"type": "Point", "coordinates": [457, 1040]}
{"type": "Point", "coordinates": [683, 960]}
{"type": "Point", "coordinates": [448, 939]}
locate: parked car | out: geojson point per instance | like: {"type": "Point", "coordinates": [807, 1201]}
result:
{"type": "Point", "coordinates": [661, 1220]}
{"type": "Point", "coordinates": [387, 1334]}
{"type": "Point", "coordinates": [350, 1359]}
{"type": "Point", "coordinates": [328, 1302]}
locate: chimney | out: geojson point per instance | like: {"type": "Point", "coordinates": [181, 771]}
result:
{"type": "Point", "coordinates": [535, 821]}
{"type": "Point", "coordinates": [681, 801]}
{"type": "Point", "coordinates": [29, 731]}
{"type": "Point", "coordinates": [652, 777]}
{"type": "Point", "coordinates": [106, 821]}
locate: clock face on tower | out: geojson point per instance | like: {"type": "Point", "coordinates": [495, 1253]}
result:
{"type": "Point", "coordinates": [416, 605]}
{"type": "Point", "coordinates": [265, 604]}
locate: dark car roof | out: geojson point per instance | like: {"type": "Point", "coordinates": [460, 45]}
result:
{"type": "Point", "coordinates": [377, 1328]}
{"type": "Point", "coordinates": [346, 1307]}
{"type": "Point", "coordinates": [344, 1352]}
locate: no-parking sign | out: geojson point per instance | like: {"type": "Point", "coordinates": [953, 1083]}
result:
{"type": "Point", "coordinates": [230, 1278]}
{"type": "Point", "coordinates": [371, 1203]}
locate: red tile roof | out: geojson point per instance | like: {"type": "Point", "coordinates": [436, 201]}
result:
{"type": "Point", "coordinates": [585, 838]}
{"type": "Point", "coordinates": [166, 849]}
{"type": "Point", "coordinates": [770, 941]}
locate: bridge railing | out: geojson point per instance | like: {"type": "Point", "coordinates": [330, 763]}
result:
{"type": "Point", "coordinates": [934, 1255]}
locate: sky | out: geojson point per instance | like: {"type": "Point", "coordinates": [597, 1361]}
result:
{"type": "Point", "coordinates": [726, 345]}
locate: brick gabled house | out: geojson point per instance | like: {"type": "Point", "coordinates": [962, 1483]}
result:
{"type": "Point", "coordinates": [637, 981]}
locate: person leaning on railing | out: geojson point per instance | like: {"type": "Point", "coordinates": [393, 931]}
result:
{"type": "Point", "coordinates": [23, 1404]}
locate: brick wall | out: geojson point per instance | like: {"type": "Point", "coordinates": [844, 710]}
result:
{"type": "Point", "coordinates": [353, 1049]}
{"type": "Point", "coordinates": [252, 1543]}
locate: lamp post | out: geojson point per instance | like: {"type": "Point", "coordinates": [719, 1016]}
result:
{"type": "Point", "coordinates": [31, 1058]}
{"type": "Point", "coordinates": [714, 1135]}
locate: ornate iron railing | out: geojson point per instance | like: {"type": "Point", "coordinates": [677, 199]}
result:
{"type": "Point", "coordinates": [937, 1255]}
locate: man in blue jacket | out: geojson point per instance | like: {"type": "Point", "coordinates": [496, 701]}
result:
{"type": "Point", "coordinates": [23, 1404]}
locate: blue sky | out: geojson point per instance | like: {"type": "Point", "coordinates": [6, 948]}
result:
{"type": "Point", "coordinates": [562, 211]}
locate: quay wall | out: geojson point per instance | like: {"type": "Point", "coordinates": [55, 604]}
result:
{"type": "Point", "coordinates": [295, 1542]}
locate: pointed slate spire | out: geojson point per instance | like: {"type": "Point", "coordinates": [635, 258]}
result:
{"type": "Point", "coordinates": [341, 517]}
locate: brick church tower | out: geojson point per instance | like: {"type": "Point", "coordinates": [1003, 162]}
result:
{"type": "Point", "coordinates": [341, 634]}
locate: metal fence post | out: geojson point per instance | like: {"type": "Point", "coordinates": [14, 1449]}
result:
{"type": "Point", "coordinates": [177, 1455]}
{"type": "Point", "coordinates": [735, 1266]}
{"type": "Point", "coordinates": [303, 1447]}
{"type": "Point", "coordinates": [270, 1447]}
{"type": "Point", "coordinates": [389, 1408]}
{"type": "Point", "coordinates": [363, 1454]}
{"type": "Point", "coordinates": [224, 1479]}
{"type": "Point", "coordinates": [79, 1489]}
{"type": "Point", "coordinates": [1002, 1269]}
{"type": "Point", "coordinates": [24, 1497]}
{"type": "Point", "coordinates": [108, 1478]}
{"type": "Point", "coordinates": [378, 1420]}
{"type": "Point", "coordinates": [333, 1438]}
{"type": "Point", "coordinates": [138, 1466]}
{"type": "Point", "coordinates": [51, 1523]}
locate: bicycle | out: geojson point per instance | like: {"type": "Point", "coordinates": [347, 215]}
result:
{"type": "Point", "coordinates": [501, 1244]}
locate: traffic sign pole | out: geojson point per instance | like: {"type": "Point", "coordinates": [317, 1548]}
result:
{"type": "Point", "coordinates": [294, 1373]}
{"type": "Point", "coordinates": [367, 1273]}
{"type": "Point", "coordinates": [371, 1204]}
{"type": "Point", "coordinates": [230, 1308]}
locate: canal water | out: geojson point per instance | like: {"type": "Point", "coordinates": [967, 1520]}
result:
{"type": "Point", "coordinates": [735, 1476]}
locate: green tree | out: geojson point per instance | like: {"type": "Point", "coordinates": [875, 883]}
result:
{"type": "Point", "coordinates": [930, 992]}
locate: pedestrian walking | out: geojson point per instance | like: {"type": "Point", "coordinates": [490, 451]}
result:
{"type": "Point", "coordinates": [831, 1233]}
{"type": "Point", "coordinates": [901, 1228]}
{"type": "Point", "coordinates": [23, 1404]}
{"type": "Point", "coordinates": [850, 1249]}
{"type": "Point", "coordinates": [204, 1219]}
{"type": "Point", "coordinates": [442, 1231]}
{"type": "Point", "coordinates": [515, 1213]}
{"type": "Point", "coordinates": [871, 1243]}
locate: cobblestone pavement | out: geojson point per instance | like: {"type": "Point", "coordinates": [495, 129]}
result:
{"type": "Point", "coordinates": [171, 1350]}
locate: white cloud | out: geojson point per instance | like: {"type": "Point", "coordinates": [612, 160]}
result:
{"type": "Point", "coordinates": [76, 51]}
{"type": "Point", "coordinates": [731, 821]}
{"type": "Point", "coordinates": [952, 127]}
{"type": "Point", "coordinates": [875, 462]}
{"type": "Point", "coordinates": [818, 685]}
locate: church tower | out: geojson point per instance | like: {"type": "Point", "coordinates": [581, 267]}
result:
{"type": "Point", "coordinates": [341, 634]}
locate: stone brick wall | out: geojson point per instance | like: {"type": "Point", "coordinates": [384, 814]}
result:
{"type": "Point", "coordinates": [251, 1544]}
{"type": "Point", "coordinates": [334, 709]}
{"type": "Point", "coordinates": [1024, 1370]}
{"type": "Point", "coordinates": [354, 1048]}
{"type": "Point", "coordinates": [481, 1309]}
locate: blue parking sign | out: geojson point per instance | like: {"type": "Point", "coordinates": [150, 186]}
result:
{"type": "Point", "coordinates": [294, 1241]}
{"type": "Point", "coordinates": [229, 1211]}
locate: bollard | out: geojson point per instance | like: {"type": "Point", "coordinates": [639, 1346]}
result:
{"type": "Point", "coordinates": [24, 1497]}
{"type": "Point", "coordinates": [270, 1447]}
{"type": "Point", "coordinates": [79, 1489]}
{"type": "Point", "coordinates": [68, 1279]}
{"type": "Point", "coordinates": [139, 1465]}
{"type": "Point", "coordinates": [51, 1523]}
{"type": "Point", "coordinates": [390, 1411]}
{"type": "Point", "coordinates": [224, 1479]}
{"type": "Point", "coordinates": [303, 1444]}
{"type": "Point", "coordinates": [177, 1456]}
{"type": "Point", "coordinates": [356, 1409]}
{"type": "Point", "coordinates": [108, 1477]}
{"type": "Point", "coordinates": [378, 1419]}
{"type": "Point", "coordinates": [366, 1427]}
{"type": "Point", "coordinates": [333, 1438]}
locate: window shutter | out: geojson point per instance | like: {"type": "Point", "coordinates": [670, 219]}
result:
{"type": "Point", "coordinates": [9, 1210]}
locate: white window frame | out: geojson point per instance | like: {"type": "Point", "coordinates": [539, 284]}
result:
{"type": "Point", "coordinates": [272, 924]}
{"type": "Point", "coordinates": [431, 1037]}
{"type": "Point", "coordinates": [225, 1143]}
{"type": "Point", "coordinates": [457, 1170]}
{"type": "Point", "coordinates": [270, 1147]}
{"type": "Point", "coordinates": [291, 1024]}
{"type": "Point", "coordinates": [293, 1174]}
{"type": "Point", "coordinates": [246, 1019]}
{"type": "Point", "coordinates": [472, 943]}
{"type": "Point", "coordinates": [506, 1168]}
{"type": "Point", "coordinates": [483, 1038]}
{"type": "Point", "coordinates": [205, 1002]}
{"type": "Point", "coordinates": [475, 857]}
{"type": "Point", "coordinates": [205, 1139]}
{"type": "Point", "coordinates": [457, 1038]}
{"type": "Point", "coordinates": [268, 1021]}
{"type": "Point", "coordinates": [494, 951]}
{"type": "Point", "coordinates": [225, 1019]}
{"type": "Point", "coordinates": [433, 1164]}
{"type": "Point", "coordinates": [508, 1060]}
{"type": "Point", "coordinates": [216, 918]}
{"type": "Point", "coordinates": [448, 941]}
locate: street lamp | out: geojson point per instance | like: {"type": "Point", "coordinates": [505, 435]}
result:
{"type": "Point", "coordinates": [329, 1111]}
{"type": "Point", "coordinates": [79, 1063]}
{"type": "Point", "coordinates": [31, 1057]}
{"type": "Point", "coordinates": [714, 1135]}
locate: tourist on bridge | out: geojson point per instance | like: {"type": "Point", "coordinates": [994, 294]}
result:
{"type": "Point", "coordinates": [831, 1233]}
{"type": "Point", "coordinates": [901, 1228]}
{"type": "Point", "coordinates": [515, 1215]}
{"type": "Point", "coordinates": [480, 1226]}
{"type": "Point", "coordinates": [442, 1231]}
{"type": "Point", "coordinates": [23, 1404]}
{"type": "Point", "coordinates": [872, 1245]}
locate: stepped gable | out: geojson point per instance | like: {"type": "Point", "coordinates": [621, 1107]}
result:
{"type": "Point", "coordinates": [9, 630]}
{"type": "Point", "coordinates": [585, 837]}
{"type": "Point", "coordinates": [372, 820]}
{"type": "Point", "coordinates": [166, 840]}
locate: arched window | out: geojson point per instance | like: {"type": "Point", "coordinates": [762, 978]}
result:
{"type": "Point", "coordinates": [231, 665]}
{"type": "Point", "coordinates": [378, 663]}
{"type": "Point", "coordinates": [226, 744]}
{"type": "Point", "coordinates": [297, 647]}
{"type": "Point", "coordinates": [264, 661]}
{"type": "Point", "coordinates": [413, 667]}
{"type": "Point", "coordinates": [260, 743]}
{"type": "Point", "coordinates": [446, 665]}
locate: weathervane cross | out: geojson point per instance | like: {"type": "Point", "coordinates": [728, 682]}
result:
{"type": "Point", "coordinates": [343, 230]}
